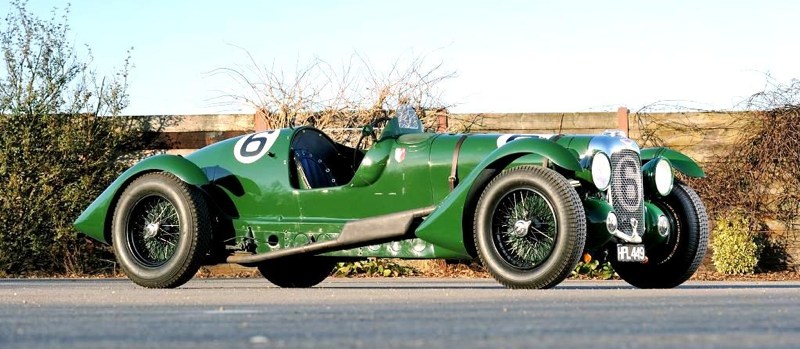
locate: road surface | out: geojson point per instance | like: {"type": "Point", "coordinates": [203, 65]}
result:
{"type": "Point", "coordinates": [396, 313]}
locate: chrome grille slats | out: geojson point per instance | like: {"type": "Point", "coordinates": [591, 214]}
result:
{"type": "Point", "coordinates": [627, 191]}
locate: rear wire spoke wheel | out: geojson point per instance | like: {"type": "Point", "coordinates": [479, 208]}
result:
{"type": "Point", "coordinates": [297, 272]}
{"type": "Point", "coordinates": [529, 227]}
{"type": "Point", "coordinates": [160, 231]}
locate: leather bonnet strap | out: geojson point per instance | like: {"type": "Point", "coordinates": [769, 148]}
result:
{"type": "Point", "coordinates": [453, 179]}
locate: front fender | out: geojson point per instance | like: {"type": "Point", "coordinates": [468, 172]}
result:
{"type": "Point", "coordinates": [445, 228]}
{"type": "Point", "coordinates": [680, 161]}
{"type": "Point", "coordinates": [94, 220]}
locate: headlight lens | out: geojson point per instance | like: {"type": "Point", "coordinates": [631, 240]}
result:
{"type": "Point", "coordinates": [658, 176]}
{"type": "Point", "coordinates": [663, 177]}
{"type": "Point", "coordinates": [663, 225]}
{"type": "Point", "coordinates": [601, 170]}
{"type": "Point", "coordinates": [611, 222]}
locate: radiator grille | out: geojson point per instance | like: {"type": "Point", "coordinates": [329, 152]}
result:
{"type": "Point", "coordinates": [627, 195]}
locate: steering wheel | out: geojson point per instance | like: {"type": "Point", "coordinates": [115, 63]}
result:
{"type": "Point", "coordinates": [368, 130]}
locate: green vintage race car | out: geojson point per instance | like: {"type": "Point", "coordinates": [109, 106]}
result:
{"type": "Point", "coordinates": [292, 202]}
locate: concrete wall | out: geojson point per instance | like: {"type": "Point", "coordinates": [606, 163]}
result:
{"type": "Point", "coordinates": [185, 133]}
{"type": "Point", "coordinates": [703, 136]}
{"type": "Point", "coordinates": [711, 133]}
{"type": "Point", "coordinates": [717, 130]}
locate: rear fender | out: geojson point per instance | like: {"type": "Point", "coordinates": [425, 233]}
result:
{"type": "Point", "coordinates": [450, 225]}
{"type": "Point", "coordinates": [96, 219]}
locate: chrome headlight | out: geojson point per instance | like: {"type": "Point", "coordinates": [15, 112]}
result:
{"type": "Point", "coordinates": [601, 171]}
{"type": "Point", "coordinates": [659, 176]}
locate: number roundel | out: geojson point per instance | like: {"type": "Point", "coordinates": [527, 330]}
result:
{"type": "Point", "coordinates": [250, 148]}
{"type": "Point", "coordinates": [507, 138]}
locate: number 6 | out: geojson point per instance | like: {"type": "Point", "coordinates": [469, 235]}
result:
{"type": "Point", "coordinates": [250, 148]}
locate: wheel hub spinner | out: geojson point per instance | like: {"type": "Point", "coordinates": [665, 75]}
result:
{"type": "Point", "coordinates": [521, 228]}
{"type": "Point", "coordinates": [151, 229]}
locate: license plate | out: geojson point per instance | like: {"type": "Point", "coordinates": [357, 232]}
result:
{"type": "Point", "coordinates": [630, 253]}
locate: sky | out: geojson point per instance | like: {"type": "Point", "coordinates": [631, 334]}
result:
{"type": "Point", "coordinates": [508, 56]}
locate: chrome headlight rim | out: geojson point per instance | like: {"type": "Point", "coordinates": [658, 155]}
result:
{"type": "Point", "coordinates": [601, 171]}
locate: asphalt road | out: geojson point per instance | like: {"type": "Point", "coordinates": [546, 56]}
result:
{"type": "Point", "coordinates": [396, 313]}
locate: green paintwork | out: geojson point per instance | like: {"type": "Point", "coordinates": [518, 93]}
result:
{"type": "Point", "coordinates": [444, 227]}
{"type": "Point", "coordinates": [94, 220]}
{"type": "Point", "coordinates": [597, 235]}
{"type": "Point", "coordinates": [373, 165]}
{"type": "Point", "coordinates": [651, 235]}
{"type": "Point", "coordinates": [578, 143]}
{"type": "Point", "coordinates": [679, 161]}
{"type": "Point", "coordinates": [252, 187]}
{"type": "Point", "coordinates": [579, 146]}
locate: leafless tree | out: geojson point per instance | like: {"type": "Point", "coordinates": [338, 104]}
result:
{"type": "Point", "coordinates": [337, 98]}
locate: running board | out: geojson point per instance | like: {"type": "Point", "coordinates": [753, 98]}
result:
{"type": "Point", "coordinates": [354, 234]}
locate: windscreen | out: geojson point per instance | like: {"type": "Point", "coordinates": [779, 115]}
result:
{"type": "Point", "coordinates": [405, 121]}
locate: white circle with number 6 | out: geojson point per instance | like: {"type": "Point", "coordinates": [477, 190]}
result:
{"type": "Point", "coordinates": [250, 148]}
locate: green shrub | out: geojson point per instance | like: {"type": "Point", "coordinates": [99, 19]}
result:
{"type": "Point", "coordinates": [594, 269]}
{"type": "Point", "coordinates": [736, 246]}
{"type": "Point", "coordinates": [373, 267]}
{"type": "Point", "coordinates": [61, 143]}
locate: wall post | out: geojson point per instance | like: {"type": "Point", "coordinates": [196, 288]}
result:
{"type": "Point", "coordinates": [441, 120]}
{"type": "Point", "coordinates": [260, 121]}
{"type": "Point", "coordinates": [622, 119]}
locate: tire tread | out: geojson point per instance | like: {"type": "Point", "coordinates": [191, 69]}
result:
{"type": "Point", "coordinates": [673, 272]}
{"type": "Point", "coordinates": [198, 211]}
{"type": "Point", "coordinates": [574, 212]}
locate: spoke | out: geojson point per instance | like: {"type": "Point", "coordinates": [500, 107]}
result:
{"type": "Point", "coordinates": [168, 242]}
{"type": "Point", "coordinates": [151, 214]}
{"type": "Point", "coordinates": [537, 230]}
{"type": "Point", "coordinates": [532, 249]}
{"type": "Point", "coordinates": [154, 250]}
{"type": "Point", "coordinates": [163, 209]}
{"type": "Point", "coordinates": [167, 232]}
{"type": "Point", "coordinates": [545, 235]}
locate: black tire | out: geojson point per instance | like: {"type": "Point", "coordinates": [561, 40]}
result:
{"type": "Point", "coordinates": [546, 247]}
{"type": "Point", "coordinates": [675, 261]}
{"type": "Point", "coordinates": [161, 230]}
{"type": "Point", "coordinates": [297, 272]}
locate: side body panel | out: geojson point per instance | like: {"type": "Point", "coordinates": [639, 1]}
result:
{"type": "Point", "coordinates": [445, 227]}
{"type": "Point", "coordinates": [258, 189]}
{"type": "Point", "coordinates": [264, 204]}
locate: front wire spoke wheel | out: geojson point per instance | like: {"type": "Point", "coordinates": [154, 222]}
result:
{"type": "Point", "coordinates": [524, 228]}
{"type": "Point", "coordinates": [529, 227]}
{"type": "Point", "coordinates": [153, 230]}
{"type": "Point", "coordinates": [161, 230]}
